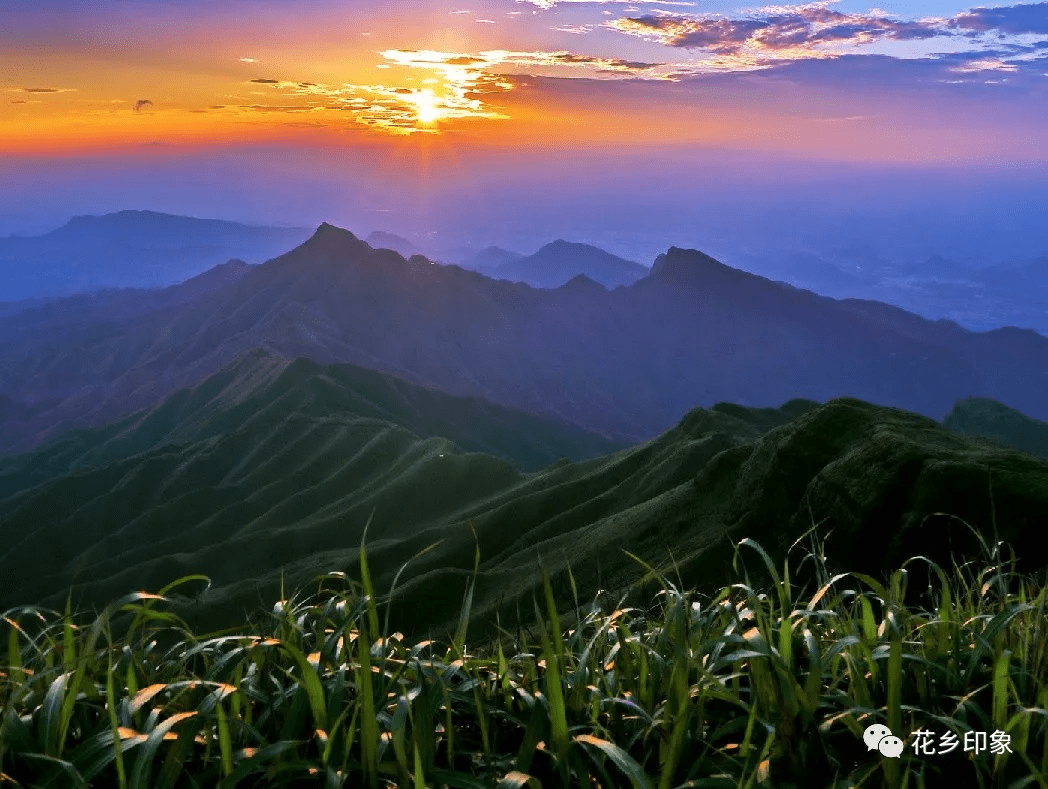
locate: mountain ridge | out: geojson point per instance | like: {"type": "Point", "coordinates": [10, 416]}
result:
{"type": "Point", "coordinates": [624, 363]}
{"type": "Point", "coordinates": [273, 480]}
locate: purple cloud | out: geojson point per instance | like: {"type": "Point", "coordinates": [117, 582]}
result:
{"type": "Point", "coordinates": [800, 27]}
{"type": "Point", "coordinates": [1014, 20]}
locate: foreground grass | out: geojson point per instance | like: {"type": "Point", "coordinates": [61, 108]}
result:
{"type": "Point", "coordinates": [769, 686]}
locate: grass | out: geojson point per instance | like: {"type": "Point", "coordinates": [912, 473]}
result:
{"type": "Point", "coordinates": [757, 685]}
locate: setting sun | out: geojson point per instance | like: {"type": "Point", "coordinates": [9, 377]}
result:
{"type": "Point", "coordinates": [428, 106]}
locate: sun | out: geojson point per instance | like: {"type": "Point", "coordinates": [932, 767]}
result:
{"type": "Point", "coordinates": [428, 106]}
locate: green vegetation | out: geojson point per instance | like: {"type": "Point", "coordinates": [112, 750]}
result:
{"type": "Point", "coordinates": [751, 686]}
{"type": "Point", "coordinates": [982, 417]}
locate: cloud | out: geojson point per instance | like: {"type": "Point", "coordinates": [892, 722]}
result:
{"type": "Point", "coordinates": [1014, 20]}
{"type": "Point", "coordinates": [548, 4]}
{"type": "Point", "coordinates": [800, 31]}
{"type": "Point", "coordinates": [43, 90]}
{"type": "Point", "coordinates": [142, 103]}
{"type": "Point", "coordinates": [266, 81]}
{"type": "Point", "coordinates": [578, 30]}
{"type": "Point", "coordinates": [985, 64]}
{"type": "Point", "coordinates": [278, 108]}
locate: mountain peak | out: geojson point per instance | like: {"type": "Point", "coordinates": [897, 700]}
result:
{"type": "Point", "coordinates": [676, 257]}
{"type": "Point", "coordinates": [562, 247]}
{"type": "Point", "coordinates": [687, 264]}
{"type": "Point", "coordinates": [582, 284]}
{"type": "Point", "coordinates": [328, 235]}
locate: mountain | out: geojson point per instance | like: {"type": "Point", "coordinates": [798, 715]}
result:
{"type": "Point", "coordinates": [270, 471]}
{"type": "Point", "coordinates": [142, 249]}
{"type": "Point", "coordinates": [625, 363]}
{"type": "Point", "coordinates": [560, 261]}
{"type": "Point", "coordinates": [259, 443]}
{"type": "Point", "coordinates": [489, 259]}
{"type": "Point", "coordinates": [383, 240]}
{"type": "Point", "coordinates": [1007, 294]}
{"type": "Point", "coordinates": [108, 306]}
{"type": "Point", "coordinates": [939, 268]}
{"type": "Point", "coordinates": [983, 418]}
{"type": "Point", "coordinates": [814, 273]}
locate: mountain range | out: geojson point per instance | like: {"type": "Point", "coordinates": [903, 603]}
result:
{"type": "Point", "coordinates": [625, 363]}
{"type": "Point", "coordinates": [268, 472]}
{"type": "Point", "coordinates": [561, 261]}
{"type": "Point", "coordinates": [142, 249]}
{"type": "Point", "coordinates": [551, 266]}
{"type": "Point", "coordinates": [250, 421]}
{"type": "Point", "coordinates": [977, 297]}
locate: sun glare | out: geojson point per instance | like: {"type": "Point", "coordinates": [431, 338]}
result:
{"type": "Point", "coordinates": [428, 106]}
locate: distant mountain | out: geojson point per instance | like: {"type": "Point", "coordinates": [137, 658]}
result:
{"type": "Point", "coordinates": [560, 261]}
{"type": "Point", "coordinates": [142, 249]}
{"type": "Point", "coordinates": [489, 259]}
{"type": "Point", "coordinates": [108, 306]}
{"type": "Point", "coordinates": [938, 267]}
{"type": "Point", "coordinates": [822, 276]}
{"type": "Point", "coordinates": [270, 471]}
{"type": "Point", "coordinates": [626, 363]}
{"type": "Point", "coordinates": [983, 418]}
{"type": "Point", "coordinates": [383, 240]}
{"type": "Point", "coordinates": [1011, 294]}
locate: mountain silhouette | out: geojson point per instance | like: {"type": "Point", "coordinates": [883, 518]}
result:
{"type": "Point", "coordinates": [625, 363]}
{"type": "Point", "coordinates": [143, 249]}
{"type": "Point", "coordinates": [560, 261]}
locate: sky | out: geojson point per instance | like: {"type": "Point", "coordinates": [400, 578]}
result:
{"type": "Point", "coordinates": [426, 117]}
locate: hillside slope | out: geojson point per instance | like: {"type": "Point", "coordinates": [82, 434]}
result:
{"type": "Point", "coordinates": [984, 418]}
{"type": "Point", "coordinates": [279, 485]}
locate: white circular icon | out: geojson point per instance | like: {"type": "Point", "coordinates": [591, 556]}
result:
{"type": "Point", "coordinates": [890, 746]}
{"type": "Point", "coordinates": [879, 737]}
{"type": "Point", "coordinates": [873, 735]}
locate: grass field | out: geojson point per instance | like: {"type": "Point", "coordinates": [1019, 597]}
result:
{"type": "Point", "coordinates": [769, 686]}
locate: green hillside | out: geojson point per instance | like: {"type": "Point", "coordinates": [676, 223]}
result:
{"type": "Point", "coordinates": [271, 469]}
{"type": "Point", "coordinates": [982, 417]}
{"type": "Point", "coordinates": [287, 449]}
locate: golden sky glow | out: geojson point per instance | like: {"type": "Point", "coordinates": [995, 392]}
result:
{"type": "Point", "coordinates": [509, 73]}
